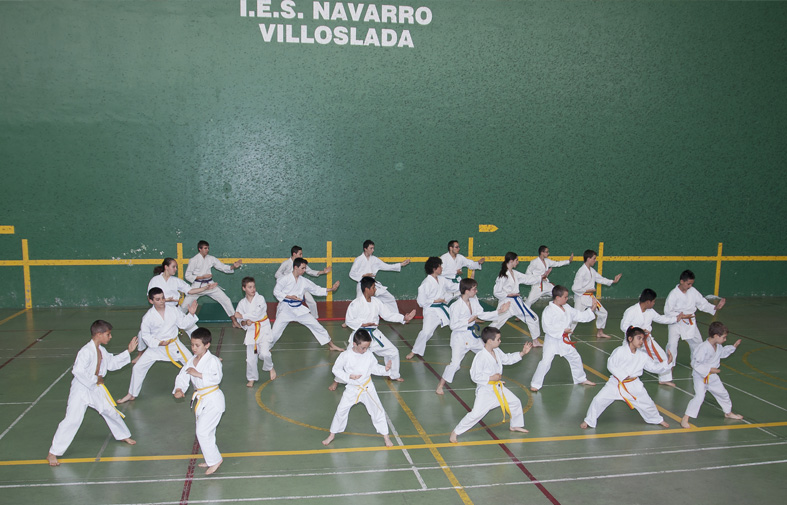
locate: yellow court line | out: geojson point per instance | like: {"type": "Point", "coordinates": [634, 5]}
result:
{"type": "Point", "coordinates": [13, 316]}
{"type": "Point", "coordinates": [7, 230]}
{"type": "Point", "coordinates": [517, 328]}
{"type": "Point", "coordinates": [751, 376]}
{"type": "Point", "coordinates": [430, 446]}
{"type": "Point", "coordinates": [746, 361]}
{"type": "Point", "coordinates": [435, 453]}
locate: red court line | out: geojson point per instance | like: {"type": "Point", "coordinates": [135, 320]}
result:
{"type": "Point", "coordinates": [505, 448]}
{"type": "Point", "coordinates": [39, 339]}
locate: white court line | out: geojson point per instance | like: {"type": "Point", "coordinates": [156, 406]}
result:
{"type": "Point", "coordinates": [15, 403]}
{"type": "Point", "coordinates": [405, 452]}
{"type": "Point", "coordinates": [34, 403]}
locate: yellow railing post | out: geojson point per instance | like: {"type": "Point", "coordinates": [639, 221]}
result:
{"type": "Point", "coordinates": [26, 275]}
{"type": "Point", "coordinates": [181, 266]}
{"type": "Point", "coordinates": [329, 263]}
{"type": "Point", "coordinates": [600, 263]}
{"type": "Point", "coordinates": [470, 273]}
{"type": "Point", "coordinates": [718, 271]}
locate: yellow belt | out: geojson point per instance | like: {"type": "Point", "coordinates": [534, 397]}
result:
{"type": "Point", "coordinates": [112, 400]}
{"type": "Point", "coordinates": [623, 383]}
{"type": "Point", "coordinates": [177, 344]}
{"type": "Point", "coordinates": [706, 379]}
{"type": "Point", "coordinates": [200, 393]}
{"type": "Point", "coordinates": [257, 327]}
{"type": "Point", "coordinates": [362, 389]}
{"type": "Point", "coordinates": [497, 387]}
{"type": "Point", "coordinates": [596, 304]}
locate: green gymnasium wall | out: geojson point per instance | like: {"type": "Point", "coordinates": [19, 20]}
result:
{"type": "Point", "coordinates": [129, 126]}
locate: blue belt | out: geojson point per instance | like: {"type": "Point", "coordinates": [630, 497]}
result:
{"type": "Point", "coordinates": [525, 311]}
{"type": "Point", "coordinates": [371, 330]}
{"type": "Point", "coordinates": [473, 329]}
{"type": "Point", "coordinates": [293, 303]}
{"type": "Point", "coordinates": [204, 281]}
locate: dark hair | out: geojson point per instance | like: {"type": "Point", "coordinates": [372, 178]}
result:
{"type": "Point", "coordinates": [559, 291]}
{"type": "Point", "coordinates": [367, 243]}
{"type": "Point", "coordinates": [510, 256]}
{"type": "Point", "coordinates": [99, 326]}
{"type": "Point", "coordinates": [160, 269]}
{"type": "Point", "coordinates": [589, 253]}
{"type": "Point", "coordinates": [489, 333]}
{"type": "Point", "coordinates": [687, 275]}
{"type": "Point", "coordinates": [294, 249]}
{"type": "Point", "coordinates": [541, 249]}
{"type": "Point", "coordinates": [452, 243]}
{"type": "Point", "coordinates": [366, 283]}
{"type": "Point", "coordinates": [432, 264]}
{"type": "Point", "coordinates": [717, 328]}
{"type": "Point", "coordinates": [361, 335]}
{"type": "Point", "coordinates": [202, 243]}
{"type": "Point", "coordinates": [467, 284]}
{"type": "Point", "coordinates": [202, 334]}
{"type": "Point", "coordinates": [247, 280]}
{"type": "Point", "coordinates": [632, 332]}
{"type": "Point", "coordinates": [154, 291]}
{"type": "Point", "coordinates": [298, 262]}
{"type": "Point", "coordinates": [648, 295]}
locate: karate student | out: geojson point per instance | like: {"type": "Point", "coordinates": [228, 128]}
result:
{"type": "Point", "coordinates": [490, 391]}
{"type": "Point", "coordinates": [355, 367]}
{"type": "Point", "coordinates": [289, 291]}
{"type": "Point", "coordinates": [433, 298]}
{"type": "Point", "coordinates": [286, 268]}
{"type": "Point", "coordinates": [625, 365]}
{"type": "Point", "coordinates": [706, 367]}
{"type": "Point", "coordinates": [199, 274]}
{"type": "Point", "coordinates": [507, 290]}
{"type": "Point", "coordinates": [684, 298]}
{"type": "Point", "coordinates": [252, 314]}
{"type": "Point", "coordinates": [464, 316]}
{"type": "Point", "coordinates": [367, 265]}
{"type": "Point", "coordinates": [204, 372]}
{"type": "Point", "coordinates": [166, 278]}
{"type": "Point", "coordinates": [642, 315]}
{"type": "Point", "coordinates": [88, 390]}
{"type": "Point", "coordinates": [540, 266]}
{"type": "Point", "coordinates": [584, 289]}
{"type": "Point", "coordinates": [557, 320]}
{"type": "Point", "coordinates": [364, 313]}
{"type": "Point", "coordinates": [453, 263]}
{"type": "Point", "coordinates": [159, 330]}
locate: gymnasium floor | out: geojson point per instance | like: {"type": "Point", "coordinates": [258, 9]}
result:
{"type": "Point", "coordinates": [270, 435]}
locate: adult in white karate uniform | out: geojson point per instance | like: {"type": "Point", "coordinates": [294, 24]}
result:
{"type": "Point", "coordinates": [453, 263]}
{"type": "Point", "coordinates": [706, 367]}
{"type": "Point", "coordinates": [434, 296]}
{"type": "Point", "coordinates": [490, 391]}
{"type": "Point", "coordinates": [355, 367]}
{"type": "Point", "coordinates": [507, 290]}
{"type": "Point", "coordinates": [685, 299]}
{"type": "Point", "coordinates": [367, 265]}
{"type": "Point", "coordinates": [252, 314]}
{"type": "Point", "coordinates": [159, 330]}
{"type": "Point", "coordinates": [557, 319]}
{"type": "Point", "coordinates": [584, 289]}
{"type": "Point", "coordinates": [286, 269]}
{"type": "Point", "coordinates": [88, 390]}
{"type": "Point", "coordinates": [204, 372]}
{"type": "Point", "coordinates": [642, 315]}
{"type": "Point", "coordinates": [289, 291]}
{"type": "Point", "coordinates": [365, 312]}
{"type": "Point", "coordinates": [465, 313]}
{"type": "Point", "coordinates": [199, 274]}
{"type": "Point", "coordinates": [540, 267]}
{"type": "Point", "coordinates": [625, 365]}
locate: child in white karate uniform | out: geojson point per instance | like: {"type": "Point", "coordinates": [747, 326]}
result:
{"type": "Point", "coordinates": [204, 372]}
{"type": "Point", "coordinates": [199, 273]}
{"type": "Point", "coordinates": [584, 289]}
{"type": "Point", "coordinates": [490, 392]}
{"type": "Point", "coordinates": [355, 367]}
{"type": "Point", "coordinates": [252, 314]}
{"type": "Point", "coordinates": [706, 365]}
{"type": "Point", "coordinates": [433, 298]}
{"type": "Point", "coordinates": [539, 266]}
{"type": "Point", "coordinates": [286, 268]}
{"type": "Point", "coordinates": [507, 291]}
{"type": "Point", "coordinates": [367, 265]}
{"type": "Point", "coordinates": [88, 390]}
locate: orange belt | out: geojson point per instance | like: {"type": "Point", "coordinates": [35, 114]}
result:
{"type": "Point", "coordinates": [596, 304]}
{"type": "Point", "coordinates": [257, 331]}
{"type": "Point", "coordinates": [567, 339]}
{"type": "Point", "coordinates": [623, 383]}
{"type": "Point", "coordinates": [653, 348]}
{"type": "Point", "coordinates": [691, 320]}
{"type": "Point", "coordinates": [706, 379]}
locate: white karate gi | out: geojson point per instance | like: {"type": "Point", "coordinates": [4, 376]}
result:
{"type": "Point", "coordinates": [450, 268]}
{"type": "Point", "coordinates": [703, 358]}
{"type": "Point", "coordinates": [360, 312]}
{"type": "Point", "coordinates": [633, 316]}
{"type": "Point", "coordinates": [555, 321]}
{"type": "Point", "coordinates": [286, 268]}
{"type": "Point", "coordinates": [462, 338]}
{"type": "Point", "coordinates": [86, 392]}
{"type": "Point", "coordinates": [208, 402]}
{"type": "Point", "coordinates": [153, 330]}
{"type": "Point", "coordinates": [358, 390]}
{"type": "Point", "coordinates": [435, 315]}
{"type": "Point", "coordinates": [484, 366]}
{"type": "Point", "coordinates": [686, 329]}
{"type": "Point", "coordinates": [623, 363]}
{"type": "Point", "coordinates": [371, 265]}
{"type": "Point", "coordinates": [256, 310]}
{"type": "Point", "coordinates": [510, 284]}
{"type": "Point", "coordinates": [202, 266]}
{"type": "Point", "coordinates": [543, 287]}
{"type": "Point", "coordinates": [172, 288]}
{"type": "Point", "coordinates": [584, 281]}
{"type": "Point", "coordinates": [288, 310]}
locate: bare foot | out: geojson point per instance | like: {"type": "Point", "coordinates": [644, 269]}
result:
{"type": "Point", "coordinates": [731, 415]}
{"type": "Point", "coordinates": [520, 430]}
{"type": "Point", "coordinates": [212, 469]}
{"type": "Point", "coordinates": [203, 465]}
{"type": "Point", "coordinates": [410, 356]}
{"type": "Point", "coordinates": [588, 383]}
{"type": "Point", "coordinates": [584, 425]}
{"type": "Point", "coordinates": [534, 389]}
{"type": "Point", "coordinates": [668, 383]}
{"type": "Point", "coordinates": [333, 386]}
{"type": "Point", "coordinates": [398, 380]}
{"type": "Point", "coordinates": [601, 334]}
{"type": "Point", "coordinates": [665, 424]}
{"type": "Point", "coordinates": [139, 355]}
{"type": "Point", "coordinates": [52, 459]}
{"type": "Point", "coordinates": [439, 390]}
{"type": "Point", "coordinates": [250, 384]}
{"type": "Point", "coordinates": [328, 440]}
{"type": "Point", "coordinates": [537, 343]}
{"type": "Point", "coordinates": [126, 398]}
{"type": "Point", "coordinates": [684, 423]}
{"type": "Point", "coordinates": [335, 347]}
{"type": "Point", "coordinates": [452, 438]}
{"type": "Point", "coordinates": [129, 441]}
{"type": "Point", "coordinates": [273, 374]}
{"type": "Point", "coordinates": [387, 440]}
